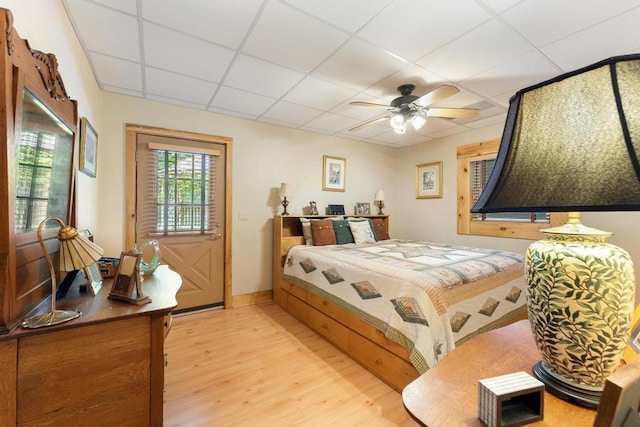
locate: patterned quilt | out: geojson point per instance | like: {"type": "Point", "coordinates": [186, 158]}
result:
{"type": "Point", "coordinates": [424, 296]}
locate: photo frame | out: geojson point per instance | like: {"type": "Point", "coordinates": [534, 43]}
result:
{"type": "Point", "coordinates": [334, 173]}
{"type": "Point", "coordinates": [127, 282]}
{"type": "Point", "coordinates": [88, 148]}
{"type": "Point", "coordinates": [335, 209]}
{"type": "Point", "coordinates": [363, 208]}
{"type": "Point", "coordinates": [94, 278]}
{"type": "Point", "coordinates": [429, 181]}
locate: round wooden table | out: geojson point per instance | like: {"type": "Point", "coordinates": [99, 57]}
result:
{"type": "Point", "coordinates": [447, 394]}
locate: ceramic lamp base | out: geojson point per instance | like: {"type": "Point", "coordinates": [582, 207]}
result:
{"type": "Point", "coordinates": [51, 318]}
{"type": "Point", "coordinates": [556, 385]}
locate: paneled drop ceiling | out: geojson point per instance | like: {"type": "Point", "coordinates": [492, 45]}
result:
{"type": "Point", "coordinates": [298, 63]}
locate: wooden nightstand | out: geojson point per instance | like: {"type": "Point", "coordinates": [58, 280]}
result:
{"type": "Point", "coordinates": [447, 394]}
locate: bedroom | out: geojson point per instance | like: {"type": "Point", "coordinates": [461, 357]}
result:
{"type": "Point", "coordinates": [266, 155]}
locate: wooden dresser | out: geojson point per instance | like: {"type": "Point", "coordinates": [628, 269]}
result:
{"type": "Point", "coordinates": [106, 367]}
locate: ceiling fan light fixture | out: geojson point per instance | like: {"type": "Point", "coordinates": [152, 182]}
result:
{"type": "Point", "coordinates": [398, 121]}
{"type": "Point", "coordinates": [417, 121]}
{"type": "Point", "coordinates": [400, 130]}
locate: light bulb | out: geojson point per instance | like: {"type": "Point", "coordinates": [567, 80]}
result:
{"type": "Point", "coordinates": [397, 121]}
{"type": "Point", "coordinates": [417, 121]}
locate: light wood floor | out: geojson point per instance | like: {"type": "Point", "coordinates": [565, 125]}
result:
{"type": "Point", "coordinates": [258, 366]}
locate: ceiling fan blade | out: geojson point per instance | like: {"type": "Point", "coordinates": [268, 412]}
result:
{"type": "Point", "coordinates": [454, 113]}
{"type": "Point", "coordinates": [368, 104]}
{"type": "Point", "coordinates": [370, 122]}
{"type": "Point", "coordinates": [438, 94]}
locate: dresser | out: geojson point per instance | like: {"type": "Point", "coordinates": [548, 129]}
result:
{"type": "Point", "coordinates": [106, 367]}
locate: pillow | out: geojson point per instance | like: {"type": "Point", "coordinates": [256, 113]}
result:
{"type": "Point", "coordinates": [306, 231]}
{"type": "Point", "coordinates": [379, 230]}
{"type": "Point", "coordinates": [322, 232]}
{"type": "Point", "coordinates": [361, 231]}
{"type": "Point", "coordinates": [342, 230]}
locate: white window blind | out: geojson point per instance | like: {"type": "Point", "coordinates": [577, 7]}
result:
{"type": "Point", "coordinates": [176, 184]}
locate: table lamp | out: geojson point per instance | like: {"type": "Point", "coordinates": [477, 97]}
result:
{"type": "Point", "coordinates": [285, 190]}
{"type": "Point", "coordinates": [378, 200]}
{"type": "Point", "coordinates": [571, 144]}
{"type": "Point", "coordinates": [76, 253]}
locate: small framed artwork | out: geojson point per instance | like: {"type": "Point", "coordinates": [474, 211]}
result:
{"type": "Point", "coordinates": [94, 278]}
{"type": "Point", "coordinates": [126, 284]}
{"type": "Point", "coordinates": [88, 148]}
{"type": "Point", "coordinates": [363, 209]}
{"type": "Point", "coordinates": [429, 181]}
{"type": "Point", "coordinates": [334, 173]}
{"type": "Point", "coordinates": [336, 209]}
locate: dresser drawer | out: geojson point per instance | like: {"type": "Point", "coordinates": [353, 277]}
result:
{"type": "Point", "coordinates": [328, 308]}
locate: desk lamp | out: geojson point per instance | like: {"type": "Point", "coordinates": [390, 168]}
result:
{"type": "Point", "coordinates": [572, 144]}
{"type": "Point", "coordinates": [285, 191]}
{"type": "Point", "coordinates": [76, 253]}
{"type": "Point", "coordinates": [378, 200]}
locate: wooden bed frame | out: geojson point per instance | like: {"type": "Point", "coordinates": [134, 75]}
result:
{"type": "Point", "coordinates": [362, 342]}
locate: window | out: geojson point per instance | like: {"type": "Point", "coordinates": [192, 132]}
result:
{"type": "Point", "coordinates": [177, 188]}
{"type": "Point", "coordinates": [475, 163]}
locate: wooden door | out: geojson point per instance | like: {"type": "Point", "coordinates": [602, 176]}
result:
{"type": "Point", "coordinates": [180, 193]}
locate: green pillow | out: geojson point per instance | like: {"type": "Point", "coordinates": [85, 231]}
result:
{"type": "Point", "coordinates": [343, 232]}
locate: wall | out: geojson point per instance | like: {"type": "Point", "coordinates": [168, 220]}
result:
{"type": "Point", "coordinates": [435, 219]}
{"type": "Point", "coordinates": [263, 156]}
{"type": "Point", "coordinates": [47, 28]}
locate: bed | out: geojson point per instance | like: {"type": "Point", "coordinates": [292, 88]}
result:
{"type": "Point", "coordinates": [395, 306]}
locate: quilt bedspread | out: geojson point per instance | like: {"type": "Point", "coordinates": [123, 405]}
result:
{"type": "Point", "coordinates": [422, 295]}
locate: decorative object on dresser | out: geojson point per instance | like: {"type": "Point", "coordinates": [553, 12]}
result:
{"type": "Point", "coordinates": [335, 209]}
{"type": "Point", "coordinates": [285, 191]}
{"type": "Point", "coordinates": [334, 173]}
{"type": "Point", "coordinates": [149, 267]}
{"type": "Point", "coordinates": [620, 403]}
{"type": "Point", "coordinates": [571, 144]}
{"type": "Point", "coordinates": [429, 181]}
{"type": "Point", "coordinates": [88, 148]}
{"type": "Point", "coordinates": [76, 253]}
{"type": "Point", "coordinates": [378, 201]}
{"type": "Point", "coordinates": [127, 283]}
{"type": "Point", "coordinates": [313, 208]}
{"type": "Point", "coordinates": [94, 278]}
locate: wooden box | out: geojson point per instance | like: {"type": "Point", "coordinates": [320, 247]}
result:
{"type": "Point", "coordinates": [510, 400]}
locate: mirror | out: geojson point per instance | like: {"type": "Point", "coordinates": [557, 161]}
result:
{"type": "Point", "coordinates": [44, 165]}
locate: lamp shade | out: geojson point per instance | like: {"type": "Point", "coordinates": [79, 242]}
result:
{"type": "Point", "coordinates": [571, 144]}
{"type": "Point", "coordinates": [76, 252]}
{"type": "Point", "coordinates": [285, 190]}
{"type": "Point", "coordinates": [379, 196]}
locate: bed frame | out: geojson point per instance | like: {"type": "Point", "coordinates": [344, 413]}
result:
{"type": "Point", "coordinates": [362, 342]}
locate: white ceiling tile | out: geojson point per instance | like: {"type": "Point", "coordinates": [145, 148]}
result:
{"type": "Point", "coordinates": [115, 89]}
{"type": "Point", "coordinates": [617, 36]}
{"type": "Point", "coordinates": [331, 122]}
{"type": "Point", "coordinates": [257, 76]}
{"type": "Point", "coordinates": [513, 75]}
{"type": "Point", "coordinates": [183, 54]}
{"type": "Point", "coordinates": [115, 72]}
{"type": "Point", "coordinates": [128, 6]}
{"type": "Point", "coordinates": [169, 100]}
{"type": "Point", "coordinates": [348, 15]}
{"type": "Point", "coordinates": [480, 49]}
{"type": "Point", "coordinates": [291, 113]}
{"type": "Point", "coordinates": [412, 28]}
{"type": "Point", "coordinates": [489, 121]}
{"type": "Point", "coordinates": [349, 66]}
{"type": "Point", "coordinates": [232, 113]}
{"type": "Point", "coordinates": [178, 87]}
{"type": "Point", "coordinates": [219, 21]}
{"type": "Point", "coordinates": [546, 21]}
{"type": "Point", "coordinates": [301, 44]}
{"type": "Point", "coordinates": [500, 5]}
{"type": "Point", "coordinates": [317, 93]}
{"type": "Point", "coordinates": [241, 101]}
{"type": "Point", "coordinates": [95, 26]}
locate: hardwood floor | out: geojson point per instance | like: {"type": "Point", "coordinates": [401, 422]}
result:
{"type": "Point", "coordinates": [257, 365]}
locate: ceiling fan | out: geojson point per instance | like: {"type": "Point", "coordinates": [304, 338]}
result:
{"type": "Point", "coordinates": [411, 108]}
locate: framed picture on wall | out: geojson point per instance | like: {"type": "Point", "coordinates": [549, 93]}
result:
{"type": "Point", "coordinates": [334, 173]}
{"type": "Point", "coordinates": [429, 181]}
{"type": "Point", "coordinates": [88, 148]}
